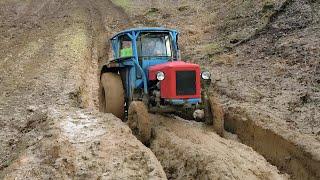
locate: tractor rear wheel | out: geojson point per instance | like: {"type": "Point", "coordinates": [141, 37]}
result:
{"type": "Point", "coordinates": [139, 122]}
{"type": "Point", "coordinates": [113, 93]}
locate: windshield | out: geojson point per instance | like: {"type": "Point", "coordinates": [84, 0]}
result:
{"type": "Point", "coordinates": [154, 44]}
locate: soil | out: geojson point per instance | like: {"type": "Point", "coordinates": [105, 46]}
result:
{"type": "Point", "coordinates": [278, 69]}
{"type": "Point", "coordinates": [191, 150]}
{"type": "Point", "coordinates": [263, 56]}
{"type": "Point", "coordinates": [50, 51]}
{"type": "Point", "coordinates": [81, 144]}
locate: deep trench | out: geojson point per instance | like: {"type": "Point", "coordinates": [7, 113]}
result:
{"type": "Point", "coordinates": [289, 154]}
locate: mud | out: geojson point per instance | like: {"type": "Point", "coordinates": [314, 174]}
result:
{"type": "Point", "coordinates": [191, 150]}
{"type": "Point", "coordinates": [51, 53]}
{"type": "Point", "coordinates": [278, 69]}
{"type": "Point", "coordinates": [291, 152]}
{"type": "Point", "coordinates": [206, 160]}
{"type": "Point", "coordinates": [49, 73]}
{"type": "Point", "coordinates": [81, 144]}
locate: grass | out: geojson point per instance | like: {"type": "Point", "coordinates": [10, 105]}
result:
{"type": "Point", "coordinates": [125, 4]}
{"type": "Point", "coordinates": [213, 48]}
{"type": "Point", "coordinates": [238, 21]}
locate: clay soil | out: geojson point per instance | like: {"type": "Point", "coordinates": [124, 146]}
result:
{"type": "Point", "coordinates": [192, 150]}
{"type": "Point", "coordinates": [50, 55]}
{"type": "Point", "coordinates": [49, 74]}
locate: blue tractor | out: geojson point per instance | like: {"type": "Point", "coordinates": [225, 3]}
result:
{"type": "Point", "coordinates": [147, 75]}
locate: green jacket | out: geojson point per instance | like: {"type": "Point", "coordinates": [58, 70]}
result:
{"type": "Point", "coordinates": [126, 52]}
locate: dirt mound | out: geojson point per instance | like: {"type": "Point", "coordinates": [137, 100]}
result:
{"type": "Point", "coordinates": [79, 144]}
{"type": "Point", "coordinates": [189, 150]}
{"type": "Point", "coordinates": [49, 69]}
{"type": "Point", "coordinates": [45, 61]}
{"type": "Point", "coordinates": [278, 68]}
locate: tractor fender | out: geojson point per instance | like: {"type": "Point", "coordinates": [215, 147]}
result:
{"type": "Point", "coordinates": [109, 67]}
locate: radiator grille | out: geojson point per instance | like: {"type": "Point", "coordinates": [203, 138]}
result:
{"type": "Point", "coordinates": [185, 83]}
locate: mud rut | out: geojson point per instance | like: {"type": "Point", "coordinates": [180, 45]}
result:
{"type": "Point", "coordinates": [185, 149]}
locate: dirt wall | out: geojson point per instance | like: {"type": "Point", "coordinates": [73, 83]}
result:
{"type": "Point", "coordinates": [291, 152]}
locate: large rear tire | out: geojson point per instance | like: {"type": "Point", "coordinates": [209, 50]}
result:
{"type": "Point", "coordinates": [139, 122]}
{"type": "Point", "coordinates": [113, 93]}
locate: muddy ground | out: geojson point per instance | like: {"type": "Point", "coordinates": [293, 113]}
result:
{"type": "Point", "coordinates": [80, 144]}
{"type": "Point", "coordinates": [192, 150]}
{"type": "Point", "coordinates": [49, 64]}
{"type": "Point", "coordinates": [50, 53]}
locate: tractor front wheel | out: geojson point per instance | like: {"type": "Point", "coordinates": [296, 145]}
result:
{"type": "Point", "coordinates": [217, 114]}
{"type": "Point", "coordinates": [214, 115]}
{"type": "Point", "coordinates": [139, 122]}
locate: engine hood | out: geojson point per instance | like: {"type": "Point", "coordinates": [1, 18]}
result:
{"type": "Point", "coordinates": [179, 65]}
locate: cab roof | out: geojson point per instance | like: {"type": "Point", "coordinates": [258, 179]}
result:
{"type": "Point", "coordinates": [144, 29]}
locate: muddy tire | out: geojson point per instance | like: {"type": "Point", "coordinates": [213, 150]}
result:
{"type": "Point", "coordinates": [112, 94]}
{"type": "Point", "coordinates": [217, 114]}
{"type": "Point", "coordinates": [208, 117]}
{"type": "Point", "coordinates": [139, 122]}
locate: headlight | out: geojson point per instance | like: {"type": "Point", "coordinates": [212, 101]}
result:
{"type": "Point", "coordinates": [205, 75]}
{"type": "Point", "coordinates": [160, 76]}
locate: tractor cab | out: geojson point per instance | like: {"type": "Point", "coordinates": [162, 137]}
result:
{"type": "Point", "coordinates": [146, 62]}
{"type": "Point", "coordinates": [145, 47]}
{"type": "Point", "coordinates": [146, 44]}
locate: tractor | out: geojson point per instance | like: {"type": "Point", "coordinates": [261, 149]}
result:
{"type": "Point", "coordinates": [147, 75]}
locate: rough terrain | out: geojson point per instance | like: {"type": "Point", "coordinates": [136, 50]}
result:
{"type": "Point", "coordinates": [49, 63]}
{"type": "Point", "coordinates": [50, 53]}
{"type": "Point", "coordinates": [79, 144]}
{"type": "Point", "coordinates": [191, 150]}
{"type": "Point", "coordinates": [264, 58]}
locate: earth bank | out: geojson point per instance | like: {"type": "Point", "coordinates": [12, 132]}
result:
{"type": "Point", "coordinates": [50, 56]}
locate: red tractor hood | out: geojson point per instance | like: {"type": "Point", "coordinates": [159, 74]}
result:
{"type": "Point", "coordinates": [179, 65]}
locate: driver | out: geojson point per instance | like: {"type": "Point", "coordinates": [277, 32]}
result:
{"type": "Point", "coordinates": [126, 50]}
